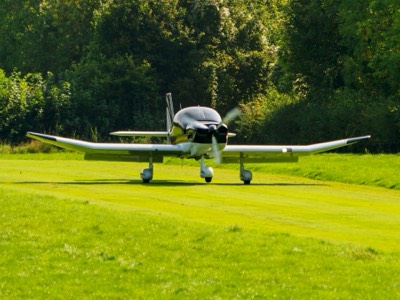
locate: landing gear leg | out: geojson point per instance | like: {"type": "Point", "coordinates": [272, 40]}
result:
{"type": "Point", "coordinates": [245, 175]}
{"type": "Point", "coordinates": [206, 172]}
{"type": "Point", "coordinates": [147, 174]}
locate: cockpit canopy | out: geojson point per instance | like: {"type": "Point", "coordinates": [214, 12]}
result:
{"type": "Point", "coordinates": [204, 115]}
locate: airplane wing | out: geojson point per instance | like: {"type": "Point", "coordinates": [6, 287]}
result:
{"type": "Point", "coordinates": [111, 151]}
{"type": "Point", "coordinates": [277, 153]}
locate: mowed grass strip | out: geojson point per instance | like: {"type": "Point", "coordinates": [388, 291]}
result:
{"type": "Point", "coordinates": [335, 212]}
{"type": "Point", "coordinates": [380, 170]}
{"type": "Point", "coordinates": [67, 248]}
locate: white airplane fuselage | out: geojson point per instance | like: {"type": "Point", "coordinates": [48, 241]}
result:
{"type": "Point", "coordinates": [194, 129]}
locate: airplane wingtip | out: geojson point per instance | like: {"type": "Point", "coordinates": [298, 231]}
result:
{"type": "Point", "coordinates": [36, 135]}
{"type": "Point", "coordinates": [358, 139]}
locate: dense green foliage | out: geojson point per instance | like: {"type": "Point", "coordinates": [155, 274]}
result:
{"type": "Point", "coordinates": [302, 70]}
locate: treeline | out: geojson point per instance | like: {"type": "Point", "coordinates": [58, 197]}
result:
{"type": "Point", "coordinates": [302, 70]}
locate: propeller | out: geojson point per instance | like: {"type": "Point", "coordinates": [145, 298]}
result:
{"type": "Point", "coordinates": [231, 115]}
{"type": "Point", "coordinates": [215, 150]}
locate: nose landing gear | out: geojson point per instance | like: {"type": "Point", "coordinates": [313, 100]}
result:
{"type": "Point", "coordinates": [206, 172]}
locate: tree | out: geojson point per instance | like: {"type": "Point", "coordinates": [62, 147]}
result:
{"type": "Point", "coordinates": [205, 52]}
{"type": "Point", "coordinates": [46, 35]}
{"type": "Point", "coordinates": [110, 94]}
{"type": "Point", "coordinates": [31, 103]}
{"type": "Point", "coordinates": [370, 36]}
{"type": "Point", "coordinates": [312, 51]}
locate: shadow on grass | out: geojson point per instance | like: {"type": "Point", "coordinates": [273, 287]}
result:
{"type": "Point", "coordinates": [160, 183]}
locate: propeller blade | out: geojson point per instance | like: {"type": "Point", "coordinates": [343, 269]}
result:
{"type": "Point", "coordinates": [231, 115]}
{"type": "Point", "coordinates": [216, 152]}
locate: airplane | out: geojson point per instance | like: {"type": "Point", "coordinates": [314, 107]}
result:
{"type": "Point", "coordinates": [195, 132]}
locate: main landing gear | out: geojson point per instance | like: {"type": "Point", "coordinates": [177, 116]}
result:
{"type": "Point", "coordinates": [245, 175]}
{"type": "Point", "coordinates": [147, 174]}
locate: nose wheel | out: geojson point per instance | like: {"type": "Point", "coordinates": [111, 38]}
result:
{"type": "Point", "coordinates": [206, 172]}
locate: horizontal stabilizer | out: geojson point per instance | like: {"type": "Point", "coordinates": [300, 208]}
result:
{"type": "Point", "coordinates": [141, 133]}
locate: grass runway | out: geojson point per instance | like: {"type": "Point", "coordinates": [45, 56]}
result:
{"type": "Point", "coordinates": [304, 219]}
{"type": "Point", "coordinates": [333, 211]}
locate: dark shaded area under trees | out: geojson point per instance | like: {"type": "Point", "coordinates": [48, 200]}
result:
{"type": "Point", "coordinates": [302, 70]}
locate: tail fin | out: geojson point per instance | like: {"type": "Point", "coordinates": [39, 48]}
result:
{"type": "Point", "coordinates": [170, 111]}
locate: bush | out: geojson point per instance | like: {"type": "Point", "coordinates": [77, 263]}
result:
{"type": "Point", "coordinates": [30, 147]}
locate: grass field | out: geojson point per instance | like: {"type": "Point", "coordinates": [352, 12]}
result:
{"type": "Point", "coordinates": [76, 229]}
{"type": "Point", "coordinates": [376, 170]}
